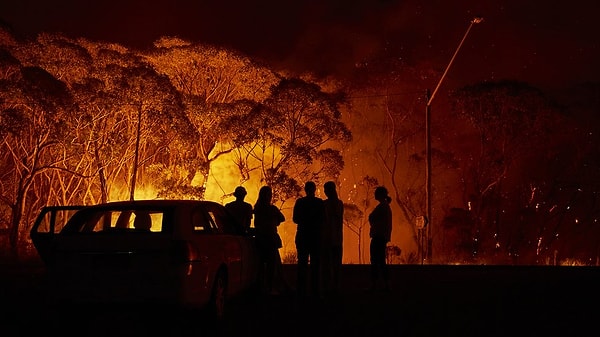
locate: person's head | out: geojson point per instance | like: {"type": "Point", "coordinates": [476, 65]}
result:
{"type": "Point", "coordinates": [240, 192]}
{"type": "Point", "coordinates": [265, 194]}
{"type": "Point", "coordinates": [381, 194]}
{"type": "Point", "coordinates": [310, 188]}
{"type": "Point", "coordinates": [329, 189]}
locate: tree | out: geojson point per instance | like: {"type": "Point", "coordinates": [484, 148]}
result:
{"type": "Point", "coordinates": [216, 84]}
{"type": "Point", "coordinates": [362, 193]}
{"type": "Point", "coordinates": [68, 60]}
{"type": "Point", "coordinates": [293, 135]}
{"type": "Point", "coordinates": [154, 113]}
{"type": "Point", "coordinates": [388, 102]}
{"type": "Point", "coordinates": [354, 220]}
{"type": "Point", "coordinates": [60, 56]}
{"type": "Point", "coordinates": [567, 198]}
{"type": "Point", "coordinates": [511, 120]}
{"type": "Point", "coordinates": [34, 107]}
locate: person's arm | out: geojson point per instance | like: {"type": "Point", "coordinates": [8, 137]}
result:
{"type": "Point", "coordinates": [277, 215]}
{"type": "Point", "coordinates": [341, 213]}
{"type": "Point", "coordinates": [296, 217]}
{"type": "Point", "coordinates": [250, 215]}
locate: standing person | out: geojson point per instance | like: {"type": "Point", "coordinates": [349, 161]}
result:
{"type": "Point", "coordinates": [309, 215]}
{"type": "Point", "coordinates": [267, 217]}
{"type": "Point", "coordinates": [332, 237]}
{"type": "Point", "coordinates": [240, 209]}
{"type": "Point", "coordinates": [380, 220]}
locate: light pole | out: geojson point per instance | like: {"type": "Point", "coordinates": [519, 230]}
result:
{"type": "Point", "coordinates": [475, 20]}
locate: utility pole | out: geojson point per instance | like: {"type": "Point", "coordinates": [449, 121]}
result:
{"type": "Point", "coordinates": [428, 219]}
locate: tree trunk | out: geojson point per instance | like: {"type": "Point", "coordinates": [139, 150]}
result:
{"type": "Point", "coordinates": [102, 177]}
{"type": "Point", "coordinates": [13, 235]}
{"type": "Point", "coordinates": [137, 155]}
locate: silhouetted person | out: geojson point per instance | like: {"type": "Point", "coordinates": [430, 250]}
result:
{"type": "Point", "coordinates": [267, 218]}
{"type": "Point", "coordinates": [240, 209]}
{"type": "Point", "coordinates": [309, 215]}
{"type": "Point", "coordinates": [142, 221]}
{"type": "Point", "coordinates": [332, 238]}
{"type": "Point", "coordinates": [380, 220]}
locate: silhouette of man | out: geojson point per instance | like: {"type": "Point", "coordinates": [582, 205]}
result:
{"type": "Point", "coordinates": [309, 215]}
{"type": "Point", "coordinates": [332, 238]}
{"type": "Point", "coordinates": [240, 209]}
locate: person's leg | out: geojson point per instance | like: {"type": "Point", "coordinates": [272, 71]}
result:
{"type": "Point", "coordinates": [270, 272]}
{"type": "Point", "coordinates": [378, 262]}
{"type": "Point", "coordinates": [326, 268]}
{"type": "Point", "coordinates": [262, 270]}
{"type": "Point", "coordinates": [385, 272]}
{"type": "Point", "coordinates": [302, 271]}
{"type": "Point", "coordinates": [374, 261]}
{"type": "Point", "coordinates": [336, 253]}
{"type": "Point", "coordinates": [280, 284]}
{"type": "Point", "coordinates": [315, 271]}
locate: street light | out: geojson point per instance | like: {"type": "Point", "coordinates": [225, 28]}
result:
{"type": "Point", "coordinates": [475, 20]}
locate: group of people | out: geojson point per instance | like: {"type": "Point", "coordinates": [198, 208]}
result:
{"type": "Point", "coordinates": [319, 237]}
{"type": "Point", "coordinates": [267, 217]}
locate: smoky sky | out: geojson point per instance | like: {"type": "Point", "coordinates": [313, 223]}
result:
{"type": "Point", "coordinates": [545, 43]}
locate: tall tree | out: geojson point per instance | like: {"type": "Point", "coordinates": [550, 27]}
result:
{"type": "Point", "coordinates": [362, 193]}
{"type": "Point", "coordinates": [69, 61]}
{"type": "Point", "coordinates": [33, 110]}
{"type": "Point", "coordinates": [294, 136]}
{"type": "Point", "coordinates": [155, 117]}
{"type": "Point", "coordinates": [215, 83]}
{"type": "Point", "coordinates": [512, 120]}
{"type": "Point", "coordinates": [388, 101]}
{"type": "Point", "coordinates": [60, 56]}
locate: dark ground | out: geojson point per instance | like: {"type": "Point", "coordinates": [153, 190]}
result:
{"type": "Point", "coordinates": [425, 300]}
